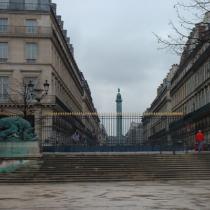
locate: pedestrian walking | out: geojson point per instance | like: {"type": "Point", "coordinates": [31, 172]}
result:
{"type": "Point", "coordinates": [76, 137]}
{"type": "Point", "coordinates": [200, 140]}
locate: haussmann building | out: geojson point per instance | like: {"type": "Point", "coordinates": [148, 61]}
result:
{"type": "Point", "coordinates": [35, 48]}
{"type": "Point", "coordinates": [190, 91]}
{"type": "Point", "coordinates": [187, 92]}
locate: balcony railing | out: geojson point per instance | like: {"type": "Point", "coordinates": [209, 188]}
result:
{"type": "Point", "coordinates": [24, 6]}
{"type": "Point", "coordinates": [18, 99]}
{"type": "Point", "coordinates": [30, 31]}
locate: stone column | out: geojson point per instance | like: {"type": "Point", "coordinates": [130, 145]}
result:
{"type": "Point", "coordinates": [119, 117]}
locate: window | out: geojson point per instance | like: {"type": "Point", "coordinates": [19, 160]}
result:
{"type": "Point", "coordinates": [3, 52]}
{"type": "Point", "coordinates": [31, 26]}
{"type": "Point", "coordinates": [4, 4]}
{"type": "Point", "coordinates": [17, 4]}
{"type": "Point", "coordinates": [31, 52]}
{"type": "Point", "coordinates": [4, 83]}
{"type": "Point", "coordinates": [3, 25]}
{"type": "Point", "coordinates": [44, 5]}
{"type": "Point", "coordinates": [31, 4]}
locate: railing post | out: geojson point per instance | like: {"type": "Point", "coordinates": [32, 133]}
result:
{"type": "Point", "coordinates": [186, 146]}
{"type": "Point", "coordinates": [160, 146]}
{"type": "Point", "coordinates": [38, 125]}
{"type": "Point", "coordinates": [174, 147]}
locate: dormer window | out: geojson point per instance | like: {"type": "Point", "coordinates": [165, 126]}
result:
{"type": "Point", "coordinates": [16, 4]}
{"type": "Point", "coordinates": [31, 4]}
{"type": "Point", "coordinates": [4, 4]}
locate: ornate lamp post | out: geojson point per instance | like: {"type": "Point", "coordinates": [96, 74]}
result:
{"type": "Point", "coordinates": [38, 95]}
{"type": "Point", "coordinates": [30, 86]}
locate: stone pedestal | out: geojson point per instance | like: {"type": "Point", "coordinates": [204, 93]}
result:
{"type": "Point", "coordinates": [38, 124]}
{"type": "Point", "coordinates": [19, 149]}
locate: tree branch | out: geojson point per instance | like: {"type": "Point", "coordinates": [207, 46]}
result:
{"type": "Point", "coordinates": [190, 32]}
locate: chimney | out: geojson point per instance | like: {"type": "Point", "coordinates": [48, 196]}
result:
{"type": "Point", "coordinates": [64, 33]}
{"type": "Point", "coordinates": [54, 7]}
{"type": "Point", "coordinates": [71, 49]}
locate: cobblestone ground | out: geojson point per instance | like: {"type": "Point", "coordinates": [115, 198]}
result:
{"type": "Point", "coordinates": [182, 195]}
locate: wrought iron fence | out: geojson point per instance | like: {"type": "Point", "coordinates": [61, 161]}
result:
{"type": "Point", "coordinates": [27, 31]}
{"type": "Point", "coordinates": [79, 132]}
{"type": "Point", "coordinates": [93, 132]}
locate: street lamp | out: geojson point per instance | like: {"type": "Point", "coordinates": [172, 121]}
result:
{"type": "Point", "coordinates": [38, 94]}
{"type": "Point", "coordinates": [46, 87]}
{"type": "Point", "coordinates": [30, 86]}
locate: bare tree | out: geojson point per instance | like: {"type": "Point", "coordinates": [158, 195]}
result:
{"type": "Point", "coordinates": [20, 95]}
{"type": "Point", "coordinates": [192, 28]}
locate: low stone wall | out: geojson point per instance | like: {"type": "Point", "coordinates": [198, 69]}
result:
{"type": "Point", "coordinates": [19, 149]}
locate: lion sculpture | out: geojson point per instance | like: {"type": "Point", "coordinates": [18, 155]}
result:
{"type": "Point", "coordinates": [16, 129]}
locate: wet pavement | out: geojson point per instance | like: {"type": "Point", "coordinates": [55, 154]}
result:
{"type": "Point", "coordinates": [176, 195]}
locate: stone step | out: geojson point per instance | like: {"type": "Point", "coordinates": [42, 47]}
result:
{"type": "Point", "coordinates": [85, 179]}
{"type": "Point", "coordinates": [117, 176]}
{"type": "Point", "coordinates": [103, 174]}
{"type": "Point", "coordinates": [127, 160]}
{"type": "Point", "coordinates": [110, 171]}
{"type": "Point", "coordinates": [135, 167]}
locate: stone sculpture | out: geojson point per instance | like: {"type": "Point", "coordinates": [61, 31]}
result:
{"type": "Point", "coordinates": [16, 129]}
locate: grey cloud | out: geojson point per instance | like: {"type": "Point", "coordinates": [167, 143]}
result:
{"type": "Point", "coordinates": [115, 47]}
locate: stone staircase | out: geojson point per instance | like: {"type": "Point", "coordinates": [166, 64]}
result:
{"type": "Point", "coordinates": [110, 167]}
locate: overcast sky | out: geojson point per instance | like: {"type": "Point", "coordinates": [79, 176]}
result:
{"type": "Point", "coordinates": [115, 48]}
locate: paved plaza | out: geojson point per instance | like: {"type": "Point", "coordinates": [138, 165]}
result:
{"type": "Point", "coordinates": [176, 195]}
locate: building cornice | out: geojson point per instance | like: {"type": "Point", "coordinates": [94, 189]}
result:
{"type": "Point", "coordinates": [160, 99]}
{"type": "Point", "coordinates": [190, 117]}
{"type": "Point", "coordinates": [66, 88]}
{"type": "Point", "coordinates": [183, 65]}
{"type": "Point", "coordinates": [73, 62]}
{"type": "Point", "coordinates": [68, 65]}
{"type": "Point", "coordinates": [202, 58]}
{"type": "Point", "coordinates": [181, 103]}
{"type": "Point", "coordinates": [24, 12]}
{"type": "Point", "coordinates": [89, 103]}
{"type": "Point", "coordinates": [160, 105]}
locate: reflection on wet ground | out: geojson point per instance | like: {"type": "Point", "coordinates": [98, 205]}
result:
{"type": "Point", "coordinates": [176, 195]}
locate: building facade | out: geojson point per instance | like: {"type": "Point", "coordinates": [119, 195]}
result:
{"type": "Point", "coordinates": [156, 127]}
{"type": "Point", "coordinates": [190, 91]}
{"type": "Point", "coordinates": [186, 91]}
{"type": "Point", "coordinates": [134, 136]}
{"type": "Point", "coordinates": [34, 47]}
